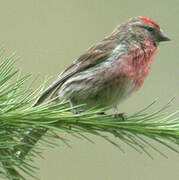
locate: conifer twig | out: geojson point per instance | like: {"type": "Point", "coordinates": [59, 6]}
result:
{"type": "Point", "coordinates": [18, 118]}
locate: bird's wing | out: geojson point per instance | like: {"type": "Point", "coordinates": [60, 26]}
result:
{"type": "Point", "coordinates": [91, 57]}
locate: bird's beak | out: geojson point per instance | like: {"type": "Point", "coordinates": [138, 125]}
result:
{"type": "Point", "coordinates": [163, 37]}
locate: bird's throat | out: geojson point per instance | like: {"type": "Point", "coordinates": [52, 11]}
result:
{"type": "Point", "coordinates": [143, 68]}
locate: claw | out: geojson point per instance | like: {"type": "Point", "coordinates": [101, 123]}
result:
{"type": "Point", "coordinates": [119, 115]}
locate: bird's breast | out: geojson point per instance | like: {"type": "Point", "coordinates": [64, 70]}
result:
{"type": "Point", "coordinates": [144, 66]}
{"type": "Point", "coordinates": [136, 66]}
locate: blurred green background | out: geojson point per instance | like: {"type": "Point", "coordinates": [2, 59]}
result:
{"type": "Point", "coordinates": [49, 35]}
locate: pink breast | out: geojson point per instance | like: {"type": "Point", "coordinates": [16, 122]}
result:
{"type": "Point", "coordinates": [138, 67]}
{"type": "Point", "coordinates": [145, 66]}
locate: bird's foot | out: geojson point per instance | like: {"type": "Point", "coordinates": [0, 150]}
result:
{"type": "Point", "coordinates": [120, 116]}
{"type": "Point", "coordinates": [77, 111]}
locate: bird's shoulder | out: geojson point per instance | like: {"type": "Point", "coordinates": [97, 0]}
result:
{"type": "Point", "coordinates": [92, 56]}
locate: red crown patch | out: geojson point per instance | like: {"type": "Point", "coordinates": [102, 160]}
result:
{"type": "Point", "coordinates": [150, 21]}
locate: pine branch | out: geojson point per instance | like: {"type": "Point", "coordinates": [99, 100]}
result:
{"type": "Point", "coordinates": [18, 118]}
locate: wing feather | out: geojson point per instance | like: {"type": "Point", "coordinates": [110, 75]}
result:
{"type": "Point", "coordinates": [94, 55]}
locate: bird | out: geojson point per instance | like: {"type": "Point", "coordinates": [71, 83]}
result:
{"type": "Point", "coordinates": [105, 74]}
{"type": "Point", "coordinates": [110, 70]}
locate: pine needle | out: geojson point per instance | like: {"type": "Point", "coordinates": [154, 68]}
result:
{"type": "Point", "coordinates": [18, 117]}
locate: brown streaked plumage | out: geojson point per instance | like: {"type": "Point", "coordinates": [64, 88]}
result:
{"type": "Point", "coordinates": [108, 72]}
{"type": "Point", "coordinates": [115, 66]}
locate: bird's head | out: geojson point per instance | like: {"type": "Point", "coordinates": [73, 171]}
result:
{"type": "Point", "coordinates": [143, 28]}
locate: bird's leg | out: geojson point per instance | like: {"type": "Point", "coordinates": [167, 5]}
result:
{"type": "Point", "coordinates": [75, 111]}
{"type": "Point", "coordinates": [118, 115]}
{"type": "Point", "coordinates": [78, 111]}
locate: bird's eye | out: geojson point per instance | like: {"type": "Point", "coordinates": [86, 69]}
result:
{"type": "Point", "coordinates": [150, 29]}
